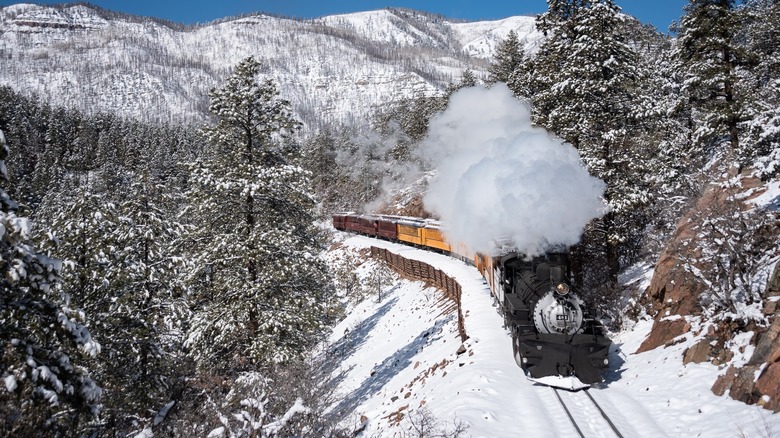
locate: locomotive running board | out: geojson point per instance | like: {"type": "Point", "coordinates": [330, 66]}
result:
{"type": "Point", "coordinates": [570, 383]}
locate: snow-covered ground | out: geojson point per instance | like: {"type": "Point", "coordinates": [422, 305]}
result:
{"type": "Point", "coordinates": [400, 355]}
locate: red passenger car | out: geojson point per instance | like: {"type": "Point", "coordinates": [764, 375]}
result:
{"type": "Point", "coordinates": [339, 221]}
{"type": "Point", "coordinates": [387, 228]}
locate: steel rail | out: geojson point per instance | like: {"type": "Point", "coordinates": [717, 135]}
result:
{"type": "Point", "coordinates": [603, 414]}
{"type": "Point", "coordinates": [595, 404]}
{"type": "Point", "coordinates": [568, 413]}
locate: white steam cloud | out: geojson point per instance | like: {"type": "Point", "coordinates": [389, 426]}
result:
{"type": "Point", "coordinates": [501, 181]}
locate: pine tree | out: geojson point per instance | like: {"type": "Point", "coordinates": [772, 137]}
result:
{"type": "Point", "coordinates": [760, 30]}
{"type": "Point", "coordinates": [262, 288]}
{"type": "Point", "coordinates": [150, 312]}
{"type": "Point", "coordinates": [45, 390]}
{"type": "Point", "coordinates": [672, 164]}
{"type": "Point", "coordinates": [707, 51]}
{"type": "Point", "coordinates": [587, 90]}
{"type": "Point", "coordinates": [121, 264]}
{"type": "Point", "coordinates": [509, 57]}
{"type": "Point", "coordinates": [329, 180]}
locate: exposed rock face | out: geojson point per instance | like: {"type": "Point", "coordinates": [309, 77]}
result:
{"type": "Point", "coordinates": [675, 291]}
{"type": "Point", "coordinates": [740, 384]}
{"type": "Point", "coordinates": [769, 383]}
{"type": "Point", "coordinates": [768, 347]}
{"type": "Point", "coordinates": [664, 332]}
{"type": "Point", "coordinates": [759, 380]}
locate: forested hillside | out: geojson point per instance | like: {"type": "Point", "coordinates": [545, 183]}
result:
{"type": "Point", "coordinates": [335, 69]}
{"type": "Point", "coordinates": [162, 244]}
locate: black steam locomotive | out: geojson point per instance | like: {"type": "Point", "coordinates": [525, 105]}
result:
{"type": "Point", "coordinates": [552, 332]}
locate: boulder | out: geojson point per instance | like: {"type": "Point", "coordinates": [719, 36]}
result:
{"type": "Point", "coordinates": [768, 346]}
{"type": "Point", "coordinates": [664, 332]}
{"type": "Point", "coordinates": [740, 384]}
{"type": "Point", "coordinates": [699, 353]}
{"type": "Point", "coordinates": [769, 384]}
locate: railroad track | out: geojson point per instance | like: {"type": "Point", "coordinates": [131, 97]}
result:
{"type": "Point", "coordinates": [586, 415]}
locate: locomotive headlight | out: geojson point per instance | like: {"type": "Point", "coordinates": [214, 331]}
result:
{"type": "Point", "coordinates": [562, 289]}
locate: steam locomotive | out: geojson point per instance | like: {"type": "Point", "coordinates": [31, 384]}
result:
{"type": "Point", "coordinates": [552, 331]}
{"type": "Point", "coordinates": [553, 334]}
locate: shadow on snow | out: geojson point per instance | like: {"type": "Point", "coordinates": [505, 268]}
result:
{"type": "Point", "coordinates": [384, 372]}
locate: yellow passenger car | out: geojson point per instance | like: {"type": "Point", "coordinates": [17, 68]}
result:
{"type": "Point", "coordinates": [433, 238]}
{"type": "Point", "coordinates": [410, 232]}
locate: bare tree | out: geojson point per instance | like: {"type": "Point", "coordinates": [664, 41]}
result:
{"type": "Point", "coordinates": [422, 424]}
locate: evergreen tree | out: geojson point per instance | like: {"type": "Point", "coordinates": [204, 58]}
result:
{"type": "Point", "coordinates": [587, 90]}
{"type": "Point", "coordinates": [468, 79]}
{"type": "Point", "coordinates": [45, 389]}
{"type": "Point", "coordinates": [411, 116]}
{"type": "Point", "coordinates": [509, 57]}
{"type": "Point", "coordinates": [329, 181]}
{"type": "Point", "coordinates": [673, 165]}
{"type": "Point", "coordinates": [84, 226]}
{"type": "Point", "coordinates": [262, 289]}
{"type": "Point", "coordinates": [121, 264]}
{"type": "Point", "coordinates": [760, 30]}
{"type": "Point", "coordinates": [150, 312]}
{"type": "Point", "coordinates": [707, 51]}
{"type": "Point", "coordinates": [513, 67]}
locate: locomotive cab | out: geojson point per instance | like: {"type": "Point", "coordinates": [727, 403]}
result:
{"type": "Point", "coordinates": [552, 332]}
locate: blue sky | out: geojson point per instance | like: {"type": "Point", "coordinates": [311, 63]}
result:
{"type": "Point", "coordinates": [659, 13]}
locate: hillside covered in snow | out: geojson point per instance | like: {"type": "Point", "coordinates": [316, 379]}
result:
{"type": "Point", "coordinates": [333, 69]}
{"type": "Point", "coordinates": [158, 279]}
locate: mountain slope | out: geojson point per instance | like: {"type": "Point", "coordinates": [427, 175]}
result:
{"type": "Point", "coordinates": [333, 69]}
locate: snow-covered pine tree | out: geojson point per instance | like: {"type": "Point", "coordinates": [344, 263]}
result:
{"type": "Point", "coordinates": [46, 390]}
{"type": "Point", "coordinates": [120, 263]}
{"type": "Point", "coordinates": [673, 169]}
{"type": "Point", "coordinates": [760, 29]}
{"type": "Point", "coordinates": [83, 227]}
{"type": "Point", "coordinates": [411, 115]}
{"type": "Point", "coordinates": [149, 307]}
{"type": "Point", "coordinates": [587, 90]}
{"type": "Point", "coordinates": [263, 291]}
{"type": "Point", "coordinates": [707, 51]}
{"type": "Point", "coordinates": [512, 66]}
{"type": "Point", "coordinates": [508, 58]}
{"type": "Point", "coordinates": [327, 179]}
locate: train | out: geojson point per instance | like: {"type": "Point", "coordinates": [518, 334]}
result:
{"type": "Point", "coordinates": [555, 338]}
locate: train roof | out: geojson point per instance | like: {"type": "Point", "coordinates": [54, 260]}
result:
{"type": "Point", "coordinates": [403, 220]}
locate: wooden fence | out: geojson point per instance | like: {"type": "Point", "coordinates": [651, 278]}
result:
{"type": "Point", "coordinates": [422, 271]}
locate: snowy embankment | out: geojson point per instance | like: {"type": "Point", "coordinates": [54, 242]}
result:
{"type": "Point", "coordinates": [398, 364]}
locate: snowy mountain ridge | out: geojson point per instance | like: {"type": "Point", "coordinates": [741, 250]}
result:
{"type": "Point", "coordinates": [334, 69]}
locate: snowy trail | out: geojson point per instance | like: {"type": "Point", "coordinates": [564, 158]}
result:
{"type": "Point", "coordinates": [398, 358]}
